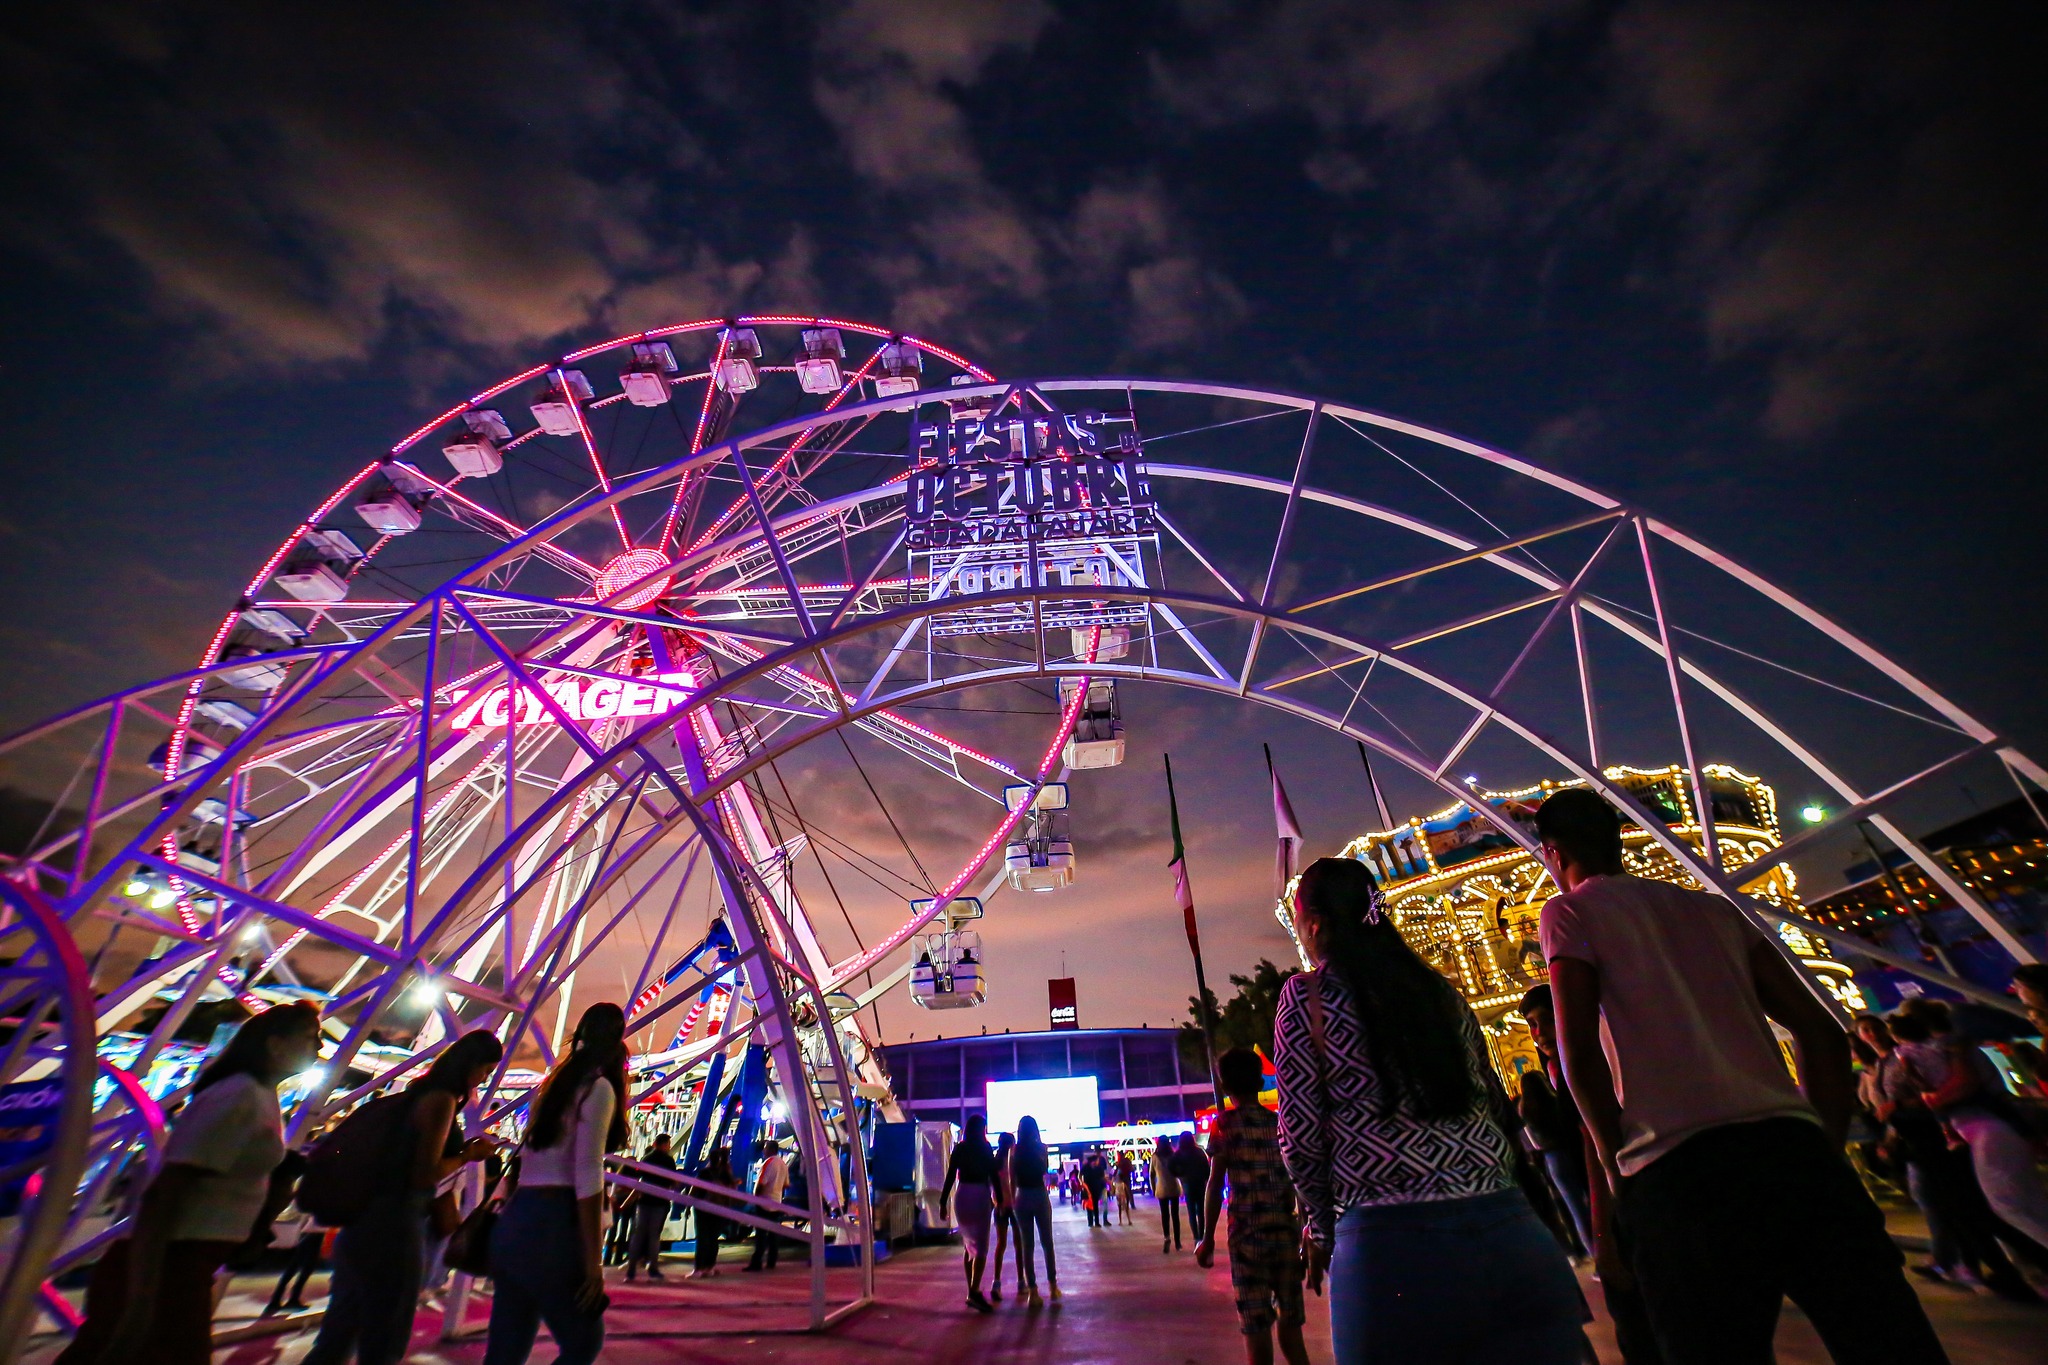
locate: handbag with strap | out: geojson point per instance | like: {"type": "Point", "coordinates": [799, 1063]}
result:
{"type": "Point", "coordinates": [469, 1246]}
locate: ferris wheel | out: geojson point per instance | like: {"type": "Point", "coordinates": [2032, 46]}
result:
{"type": "Point", "coordinates": [385, 739]}
{"type": "Point", "coordinates": [523, 745]}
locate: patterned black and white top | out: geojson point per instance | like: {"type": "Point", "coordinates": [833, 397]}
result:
{"type": "Point", "coordinates": [1341, 1150]}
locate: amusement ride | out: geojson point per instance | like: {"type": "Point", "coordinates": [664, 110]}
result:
{"type": "Point", "coordinates": [498, 731]}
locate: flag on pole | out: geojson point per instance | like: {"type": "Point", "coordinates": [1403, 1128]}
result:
{"type": "Point", "coordinates": [1186, 897]}
{"type": "Point", "coordinates": [1379, 797]}
{"type": "Point", "coordinates": [1287, 853]}
{"type": "Point", "coordinates": [1183, 895]}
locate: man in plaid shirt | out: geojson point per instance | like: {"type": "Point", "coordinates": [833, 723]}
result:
{"type": "Point", "coordinates": [1265, 1237]}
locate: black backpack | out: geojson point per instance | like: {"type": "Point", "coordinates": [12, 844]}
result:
{"type": "Point", "coordinates": [356, 1162]}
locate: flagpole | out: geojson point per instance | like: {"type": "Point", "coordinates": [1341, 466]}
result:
{"type": "Point", "coordinates": [1187, 900]}
{"type": "Point", "coordinates": [1386, 819]}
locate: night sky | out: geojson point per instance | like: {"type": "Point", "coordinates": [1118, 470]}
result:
{"type": "Point", "coordinates": [1775, 273]}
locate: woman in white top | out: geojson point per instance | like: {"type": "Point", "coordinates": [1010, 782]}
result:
{"type": "Point", "coordinates": [547, 1248]}
{"type": "Point", "coordinates": [151, 1296]}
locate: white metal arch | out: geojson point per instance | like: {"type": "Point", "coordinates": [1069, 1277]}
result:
{"type": "Point", "coordinates": [619, 780]}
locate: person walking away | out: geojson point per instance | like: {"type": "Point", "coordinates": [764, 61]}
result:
{"type": "Point", "coordinates": [710, 1224]}
{"type": "Point", "coordinates": [1034, 1209]}
{"type": "Point", "coordinates": [1095, 1177]}
{"type": "Point", "coordinates": [769, 1184]}
{"type": "Point", "coordinates": [305, 1259]}
{"type": "Point", "coordinates": [618, 1228]}
{"type": "Point", "coordinates": [1551, 1116]}
{"type": "Point", "coordinates": [1731, 1189]}
{"type": "Point", "coordinates": [650, 1216]}
{"type": "Point", "coordinates": [973, 1168]}
{"type": "Point", "coordinates": [151, 1293]}
{"type": "Point", "coordinates": [1191, 1169]}
{"type": "Point", "coordinates": [1120, 1184]}
{"type": "Point", "coordinates": [1167, 1187]}
{"type": "Point", "coordinates": [380, 1254]}
{"type": "Point", "coordinates": [545, 1248]}
{"type": "Point", "coordinates": [1265, 1239]}
{"type": "Point", "coordinates": [1005, 1216]}
{"type": "Point", "coordinates": [1394, 1132]}
{"type": "Point", "coordinates": [309, 1249]}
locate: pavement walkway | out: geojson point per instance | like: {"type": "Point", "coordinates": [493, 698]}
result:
{"type": "Point", "coordinates": [1125, 1303]}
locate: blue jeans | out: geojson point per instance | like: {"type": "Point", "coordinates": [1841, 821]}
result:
{"type": "Point", "coordinates": [536, 1266]}
{"type": "Point", "coordinates": [1568, 1174]}
{"type": "Point", "coordinates": [375, 1293]}
{"type": "Point", "coordinates": [1453, 1281]}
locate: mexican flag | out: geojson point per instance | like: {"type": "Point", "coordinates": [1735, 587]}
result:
{"type": "Point", "coordinates": [1287, 853]}
{"type": "Point", "coordinates": [1182, 894]}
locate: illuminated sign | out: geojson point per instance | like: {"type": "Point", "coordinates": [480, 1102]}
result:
{"type": "Point", "coordinates": [1063, 1104]}
{"type": "Point", "coordinates": [28, 1127]}
{"type": "Point", "coordinates": [580, 698]}
{"type": "Point", "coordinates": [1008, 499]}
{"type": "Point", "coordinates": [997, 477]}
{"type": "Point", "coordinates": [1059, 994]}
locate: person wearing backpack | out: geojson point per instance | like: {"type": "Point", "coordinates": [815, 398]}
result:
{"type": "Point", "coordinates": [380, 1255]}
{"type": "Point", "coordinates": [151, 1295]}
{"type": "Point", "coordinates": [546, 1262]}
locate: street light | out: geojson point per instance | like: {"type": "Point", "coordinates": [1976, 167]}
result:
{"type": "Point", "coordinates": [1813, 815]}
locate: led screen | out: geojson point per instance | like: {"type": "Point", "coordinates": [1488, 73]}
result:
{"type": "Point", "coordinates": [1060, 1105]}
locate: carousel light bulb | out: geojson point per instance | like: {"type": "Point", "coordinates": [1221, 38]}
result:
{"type": "Point", "coordinates": [426, 995]}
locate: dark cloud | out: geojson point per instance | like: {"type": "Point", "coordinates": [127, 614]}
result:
{"type": "Point", "coordinates": [1891, 252]}
{"type": "Point", "coordinates": [1845, 178]}
{"type": "Point", "coordinates": [1347, 63]}
{"type": "Point", "coordinates": [303, 187]}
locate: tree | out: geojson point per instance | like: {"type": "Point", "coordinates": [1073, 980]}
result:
{"type": "Point", "coordinates": [1245, 1020]}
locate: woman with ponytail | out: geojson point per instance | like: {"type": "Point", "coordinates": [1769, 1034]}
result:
{"type": "Point", "coordinates": [547, 1249]}
{"type": "Point", "coordinates": [1391, 1130]}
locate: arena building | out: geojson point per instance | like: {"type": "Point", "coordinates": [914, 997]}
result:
{"type": "Point", "coordinates": [1137, 1074]}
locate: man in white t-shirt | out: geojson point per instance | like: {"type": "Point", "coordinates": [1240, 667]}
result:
{"type": "Point", "coordinates": [1731, 1191]}
{"type": "Point", "coordinates": [772, 1181]}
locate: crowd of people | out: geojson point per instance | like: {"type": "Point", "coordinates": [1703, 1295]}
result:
{"type": "Point", "coordinates": [373, 1196]}
{"type": "Point", "coordinates": [1663, 1135]}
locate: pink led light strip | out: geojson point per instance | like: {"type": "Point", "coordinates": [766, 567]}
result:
{"type": "Point", "coordinates": [604, 480]}
{"type": "Point", "coordinates": [181, 728]}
